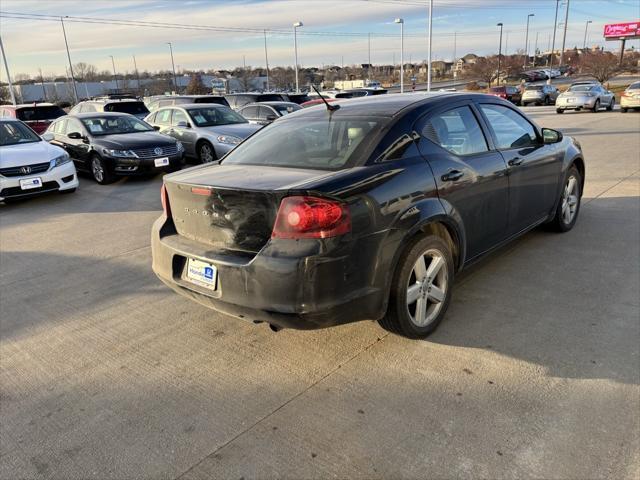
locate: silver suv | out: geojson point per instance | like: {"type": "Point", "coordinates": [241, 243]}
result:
{"type": "Point", "coordinates": [539, 94]}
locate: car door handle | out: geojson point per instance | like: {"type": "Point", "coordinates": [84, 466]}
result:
{"type": "Point", "coordinates": [514, 162]}
{"type": "Point", "coordinates": [452, 176]}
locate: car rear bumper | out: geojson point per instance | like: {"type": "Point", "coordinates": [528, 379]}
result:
{"type": "Point", "coordinates": [300, 287]}
{"type": "Point", "coordinates": [56, 179]}
{"type": "Point", "coordinates": [576, 103]}
{"type": "Point", "coordinates": [630, 102]}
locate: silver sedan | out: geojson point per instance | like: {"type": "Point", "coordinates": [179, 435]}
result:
{"type": "Point", "coordinates": [207, 131]}
{"type": "Point", "coordinates": [588, 97]}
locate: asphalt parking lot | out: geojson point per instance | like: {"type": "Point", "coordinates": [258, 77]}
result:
{"type": "Point", "coordinates": [535, 372]}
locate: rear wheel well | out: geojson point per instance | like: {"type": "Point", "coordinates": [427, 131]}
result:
{"type": "Point", "coordinates": [448, 234]}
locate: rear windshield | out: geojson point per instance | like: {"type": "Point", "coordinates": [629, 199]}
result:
{"type": "Point", "coordinates": [314, 143]}
{"type": "Point", "coordinates": [581, 88]}
{"type": "Point", "coordinates": [534, 87]}
{"type": "Point", "coordinates": [269, 97]}
{"type": "Point", "coordinates": [12, 133]}
{"type": "Point", "coordinates": [28, 114]}
{"type": "Point", "coordinates": [216, 100]}
{"type": "Point", "coordinates": [133, 108]}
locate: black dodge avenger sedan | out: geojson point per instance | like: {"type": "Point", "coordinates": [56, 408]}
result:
{"type": "Point", "coordinates": [111, 144]}
{"type": "Point", "coordinates": [366, 211]}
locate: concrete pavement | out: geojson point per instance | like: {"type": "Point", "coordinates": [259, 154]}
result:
{"type": "Point", "coordinates": [535, 372]}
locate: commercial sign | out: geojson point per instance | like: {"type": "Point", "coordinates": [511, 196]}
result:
{"type": "Point", "coordinates": [618, 31]}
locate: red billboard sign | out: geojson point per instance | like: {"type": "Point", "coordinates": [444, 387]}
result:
{"type": "Point", "coordinates": [617, 31]}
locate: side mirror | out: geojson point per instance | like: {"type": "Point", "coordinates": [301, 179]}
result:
{"type": "Point", "coordinates": [47, 136]}
{"type": "Point", "coordinates": [183, 124]}
{"type": "Point", "coordinates": [156, 127]}
{"type": "Point", "coordinates": [271, 118]}
{"type": "Point", "coordinates": [75, 135]}
{"type": "Point", "coordinates": [551, 136]}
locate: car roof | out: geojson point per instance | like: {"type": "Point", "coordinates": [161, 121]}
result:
{"type": "Point", "coordinates": [9, 119]}
{"type": "Point", "coordinates": [29, 105]}
{"type": "Point", "coordinates": [189, 106]}
{"type": "Point", "coordinates": [387, 105]}
{"type": "Point", "coordinates": [96, 114]}
{"type": "Point", "coordinates": [110, 100]}
{"type": "Point", "coordinates": [271, 103]}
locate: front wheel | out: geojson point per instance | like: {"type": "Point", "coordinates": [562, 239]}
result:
{"type": "Point", "coordinates": [206, 153]}
{"type": "Point", "coordinates": [559, 110]}
{"type": "Point", "coordinates": [623, 110]}
{"type": "Point", "coordinates": [611, 105]}
{"type": "Point", "coordinates": [420, 289]}
{"type": "Point", "coordinates": [569, 205]}
{"type": "Point", "coordinates": [100, 172]}
{"type": "Point", "coordinates": [596, 106]}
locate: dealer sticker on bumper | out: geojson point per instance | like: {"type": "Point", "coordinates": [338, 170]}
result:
{"type": "Point", "coordinates": [29, 183]}
{"type": "Point", "coordinates": [202, 273]}
{"type": "Point", "coordinates": [161, 162]}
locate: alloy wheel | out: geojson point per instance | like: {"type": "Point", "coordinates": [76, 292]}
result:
{"type": "Point", "coordinates": [206, 153]}
{"type": "Point", "coordinates": [97, 169]}
{"type": "Point", "coordinates": [427, 287]}
{"type": "Point", "coordinates": [570, 200]}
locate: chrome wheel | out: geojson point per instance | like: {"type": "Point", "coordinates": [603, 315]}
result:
{"type": "Point", "coordinates": [206, 153]}
{"type": "Point", "coordinates": [97, 169]}
{"type": "Point", "coordinates": [427, 287]}
{"type": "Point", "coordinates": [569, 200]}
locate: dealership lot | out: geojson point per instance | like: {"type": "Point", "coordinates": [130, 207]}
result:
{"type": "Point", "coordinates": [105, 373]}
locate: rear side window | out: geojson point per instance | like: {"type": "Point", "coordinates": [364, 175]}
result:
{"type": "Point", "coordinates": [457, 131]}
{"type": "Point", "coordinates": [250, 112]}
{"type": "Point", "coordinates": [60, 127]}
{"type": "Point", "coordinates": [510, 128]}
{"type": "Point", "coordinates": [163, 117]}
{"type": "Point", "coordinates": [178, 116]}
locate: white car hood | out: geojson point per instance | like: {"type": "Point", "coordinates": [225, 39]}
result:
{"type": "Point", "coordinates": [28, 154]}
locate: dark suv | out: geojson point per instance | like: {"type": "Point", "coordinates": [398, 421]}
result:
{"type": "Point", "coordinates": [239, 100]}
{"type": "Point", "coordinates": [168, 101]}
{"type": "Point", "coordinates": [364, 211]}
{"type": "Point", "coordinates": [132, 106]}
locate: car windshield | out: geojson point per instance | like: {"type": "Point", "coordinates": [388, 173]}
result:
{"type": "Point", "coordinates": [535, 88]}
{"type": "Point", "coordinates": [133, 108]}
{"type": "Point", "coordinates": [28, 114]}
{"type": "Point", "coordinates": [115, 125]}
{"type": "Point", "coordinates": [326, 144]}
{"type": "Point", "coordinates": [634, 86]}
{"type": "Point", "coordinates": [286, 109]}
{"type": "Point", "coordinates": [581, 88]}
{"type": "Point", "coordinates": [12, 133]}
{"type": "Point", "coordinates": [213, 116]}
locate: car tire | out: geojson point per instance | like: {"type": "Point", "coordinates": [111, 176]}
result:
{"type": "Point", "coordinates": [623, 110]}
{"type": "Point", "coordinates": [559, 110]}
{"type": "Point", "coordinates": [432, 293]}
{"type": "Point", "coordinates": [596, 106]}
{"type": "Point", "coordinates": [569, 203]}
{"type": "Point", "coordinates": [611, 105]}
{"type": "Point", "coordinates": [99, 171]}
{"type": "Point", "coordinates": [206, 152]}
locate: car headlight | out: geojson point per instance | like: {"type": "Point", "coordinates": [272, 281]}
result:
{"type": "Point", "coordinates": [120, 153]}
{"type": "Point", "coordinates": [229, 139]}
{"type": "Point", "coordinates": [180, 146]}
{"type": "Point", "coordinates": [61, 160]}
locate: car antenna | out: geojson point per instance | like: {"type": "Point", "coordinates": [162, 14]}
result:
{"type": "Point", "coordinates": [331, 108]}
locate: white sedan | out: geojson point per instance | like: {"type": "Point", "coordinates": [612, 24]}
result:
{"type": "Point", "coordinates": [29, 165]}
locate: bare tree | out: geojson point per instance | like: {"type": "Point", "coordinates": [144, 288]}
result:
{"type": "Point", "coordinates": [600, 65]}
{"type": "Point", "coordinates": [85, 71]}
{"type": "Point", "coordinates": [484, 69]}
{"type": "Point", "coordinates": [196, 87]}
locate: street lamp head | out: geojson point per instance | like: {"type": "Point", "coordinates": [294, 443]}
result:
{"type": "Point", "coordinates": [398, 20]}
{"type": "Point", "coordinates": [298, 24]}
{"type": "Point", "coordinates": [499, 24]}
{"type": "Point", "coordinates": [589, 21]}
{"type": "Point", "coordinates": [531, 15]}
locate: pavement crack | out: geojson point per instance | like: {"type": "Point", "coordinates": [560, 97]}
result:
{"type": "Point", "coordinates": [276, 410]}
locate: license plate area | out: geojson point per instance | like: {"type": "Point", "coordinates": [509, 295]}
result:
{"type": "Point", "coordinates": [201, 273]}
{"type": "Point", "coordinates": [30, 183]}
{"type": "Point", "coordinates": [161, 162]}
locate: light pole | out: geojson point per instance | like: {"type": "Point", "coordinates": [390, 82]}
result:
{"type": "Point", "coordinates": [115, 77]}
{"type": "Point", "coordinates": [499, 53]}
{"type": "Point", "coordinates": [6, 67]}
{"type": "Point", "coordinates": [266, 57]}
{"type": "Point", "coordinates": [429, 45]}
{"type": "Point", "coordinates": [553, 43]}
{"type": "Point", "coordinates": [586, 27]}
{"type": "Point", "coordinates": [173, 67]}
{"type": "Point", "coordinates": [135, 66]}
{"type": "Point", "coordinates": [526, 41]}
{"type": "Point", "coordinates": [401, 22]}
{"type": "Point", "coordinates": [564, 36]}
{"type": "Point", "coordinates": [535, 50]}
{"type": "Point", "coordinates": [73, 80]}
{"type": "Point", "coordinates": [295, 48]}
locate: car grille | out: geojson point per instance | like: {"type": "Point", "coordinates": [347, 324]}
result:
{"type": "Point", "coordinates": [18, 192]}
{"type": "Point", "coordinates": [164, 151]}
{"type": "Point", "coordinates": [20, 171]}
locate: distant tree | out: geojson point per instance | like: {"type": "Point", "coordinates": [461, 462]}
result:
{"type": "Point", "coordinates": [5, 97]}
{"type": "Point", "coordinates": [600, 65]}
{"type": "Point", "coordinates": [85, 71]}
{"type": "Point", "coordinates": [196, 87]}
{"type": "Point", "coordinates": [484, 69]}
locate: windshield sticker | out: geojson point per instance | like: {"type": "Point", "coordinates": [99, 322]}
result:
{"type": "Point", "coordinates": [200, 119]}
{"type": "Point", "coordinates": [95, 128]}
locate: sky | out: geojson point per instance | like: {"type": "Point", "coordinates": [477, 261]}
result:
{"type": "Point", "coordinates": [334, 31]}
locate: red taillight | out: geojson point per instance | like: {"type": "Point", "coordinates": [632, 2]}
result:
{"type": "Point", "coordinates": [164, 198]}
{"type": "Point", "coordinates": [503, 95]}
{"type": "Point", "coordinates": [311, 217]}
